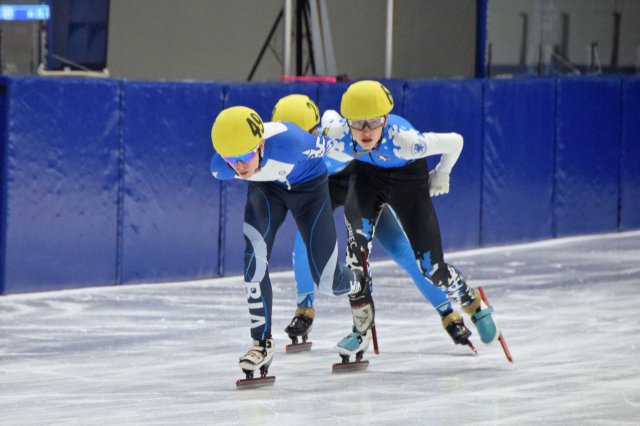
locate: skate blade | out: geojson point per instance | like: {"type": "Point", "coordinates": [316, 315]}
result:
{"type": "Point", "coordinates": [255, 383]}
{"type": "Point", "coordinates": [503, 342]}
{"type": "Point", "coordinates": [344, 367]}
{"type": "Point", "coordinates": [298, 347]}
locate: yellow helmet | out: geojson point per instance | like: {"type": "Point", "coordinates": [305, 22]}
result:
{"type": "Point", "coordinates": [299, 110]}
{"type": "Point", "coordinates": [366, 99]}
{"type": "Point", "coordinates": [236, 131]}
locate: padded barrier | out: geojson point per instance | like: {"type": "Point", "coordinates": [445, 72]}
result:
{"type": "Point", "coordinates": [453, 106]}
{"type": "Point", "coordinates": [587, 155]}
{"type": "Point", "coordinates": [518, 177]}
{"type": "Point", "coordinates": [630, 156]}
{"type": "Point", "coordinates": [60, 183]}
{"type": "Point", "coordinates": [171, 203]}
{"type": "Point", "coordinates": [107, 182]}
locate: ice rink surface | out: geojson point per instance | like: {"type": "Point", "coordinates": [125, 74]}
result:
{"type": "Point", "coordinates": [166, 354]}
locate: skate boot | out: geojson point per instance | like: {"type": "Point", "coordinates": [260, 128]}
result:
{"type": "Point", "coordinates": [481, 317]}
{"type": "Point", "coordinates": [259, 357]}
{"type": "Point", "coordinates": [459, 333]}
{"type": "Point", "coordinates": [451, 280]}
{"type": "Point", "coordinates": [300, 326]}
{"type": "Point", "coordinates": [354, 344]}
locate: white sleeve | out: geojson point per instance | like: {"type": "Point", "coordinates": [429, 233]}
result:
{"type": "Point", "coordinates": [447, 144]}
{"type": "Point", "coordinates": [411, 145]}
{"type": "Point", "coordinates": [330, 116]}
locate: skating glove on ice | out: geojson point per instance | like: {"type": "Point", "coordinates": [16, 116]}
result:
{"type": "Point", "coordinates": [438, 183]}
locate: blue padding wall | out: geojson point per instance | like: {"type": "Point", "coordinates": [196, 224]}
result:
{"type": "Point", "coordinates": [519, 149]}
{"type": "Point", "coordinates": [453, 106]}
{"type": "Point", "coordinates": [587, 155]}
{"type": "Point", "coordinates": [107, 182]}
{"type": "Point", "coordinates": [170, 204]}
{"type": "Point", "coordinates": [630, 156]}
{"type": "Point", "coordinates": [61, 183]}
{"type": "Point", "coordinates": [4, 99]}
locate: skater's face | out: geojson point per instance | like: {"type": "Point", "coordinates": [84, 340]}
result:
{"type": "Point", "coordinates": [367, 132]}
{"type": "Point", "coordinates": [248, 164]}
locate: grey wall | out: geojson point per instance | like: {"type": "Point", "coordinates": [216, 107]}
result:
{"type": "Point", "coordinates": [589, 21]}
{"type": "Point", "coordinates": [220, 40]}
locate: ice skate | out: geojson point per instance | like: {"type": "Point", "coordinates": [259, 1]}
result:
{"type": "Point", "coordinates": [459, 333]}
{"type": "Point", "coordinates": [258, 358]}
{"type": "Point", "coordinates": [452, 281]}
{"type": "Point", "coordinates": [354, 344]}
{"type": "Point", "coordinates": [300, 327]}
{"type": "Point", "coordinates": [362, 308]}
{"type": "Point", "coordinates": [501, 339]}
{"type": "Point", "coordinates": [481, 316]}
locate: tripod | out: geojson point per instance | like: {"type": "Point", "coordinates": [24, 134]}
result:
{"type": "Point", "coordinates": [303, 30]}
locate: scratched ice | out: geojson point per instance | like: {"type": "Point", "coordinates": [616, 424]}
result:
{"type": "Point", "coordinates": [166, 354]}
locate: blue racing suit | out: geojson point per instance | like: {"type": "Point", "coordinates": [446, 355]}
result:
{"type": "Point", "coordinates": [292, 177]}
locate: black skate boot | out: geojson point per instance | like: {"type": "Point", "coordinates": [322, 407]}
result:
{"type": "Point", "coordinates": [459, 333]}
{"type": "Point", "coordinates": [300, 326]}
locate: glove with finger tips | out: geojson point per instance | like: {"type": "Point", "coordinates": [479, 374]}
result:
{"type": "Point", "coordinates": [438, 183]}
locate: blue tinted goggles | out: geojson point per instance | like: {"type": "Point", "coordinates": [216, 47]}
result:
{"type": "Point", "coordinates": [245, 158]}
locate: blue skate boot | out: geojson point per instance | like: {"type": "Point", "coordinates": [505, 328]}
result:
{"type": "Point", "coordinates": [363, 312]}
{"type": "Point", "coordinates": [451, 280]}
{"type": "Point", "coordinates": [481, 317]}
{"type": "Point", "coordinates": [354, 344]}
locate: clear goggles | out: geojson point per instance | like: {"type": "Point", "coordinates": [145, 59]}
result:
{"type": "Point", "coordinates": [372, 123]}
{"type": "Point", "coordinates": [245, 158]}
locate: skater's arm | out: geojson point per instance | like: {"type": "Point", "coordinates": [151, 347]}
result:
{"type": "Point", "coordinates": [220, 169]}
{"type": "Point", "coordinates": [329, 118]}
{"type": "Point", "coordinates": [450, 146]}
{"type": "Point", "coordinates": [410, 144]}
{"type": "Point", "coordinates": [447, 144]}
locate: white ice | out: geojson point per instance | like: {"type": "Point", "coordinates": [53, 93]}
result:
{"type": "Point", "coordinates": [166, 354]}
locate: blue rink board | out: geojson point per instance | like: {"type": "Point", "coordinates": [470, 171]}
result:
{"type": "Point", "coordinates": [630, 156]}
{"type": "Point", "coordinates": [587, 156]}
{"type": "Point", "coordinates": [453, 106]}
{"type": "Point", "coordinates": [107, 181]}
{"type": "Point", "coordinates": [60, 184]}
{"type": "Point", "coordinates": [519, 149]}
{"type": "Point", "coordinates": [170, 200]}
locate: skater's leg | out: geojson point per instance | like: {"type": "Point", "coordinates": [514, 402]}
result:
{"type": "Point", "coordinates": [300, 325]}
{"type": "Point", "coordinates": [419, 220]}
{"type": "Point", "coordinates": [392, 238]}
{"type": "Point", "coordinates": [305, 286]}
{"type": "Point", "coordinates": [311, 209]}
{"type": "Point", "coordinates": [305, 313]}
{"type": "Point", "coordinates": [264, 213]}
{"type": "Point", "coordinates": [362, 207]}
